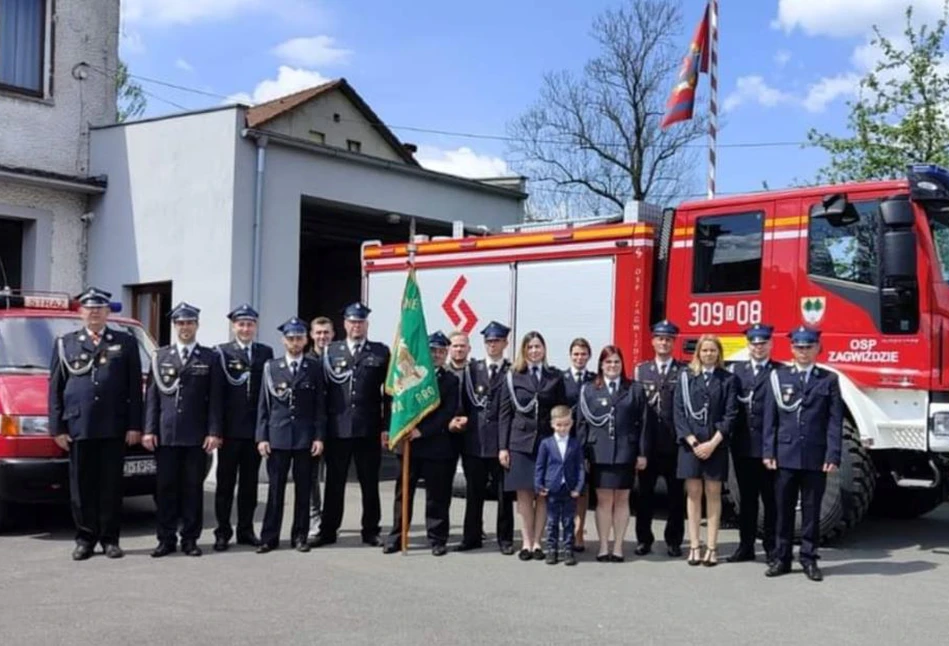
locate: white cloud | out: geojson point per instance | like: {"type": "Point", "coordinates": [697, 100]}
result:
{"type": "Point", "coordinates": [463, 162]}
{"type": "Point", "coordinates": [311, 52]}
{"type": "Point", "coordinates": [288, 81]}
{"type": "Point", "coordinates": [829, 89]}
{"type": "Point", "coordinates": [782, 57]}
{"type": "Point", "coordinates": [183, 11]}
{"type": "Point", "coordinates": [754, 89]}
{"type": "Point", "coordinates": [184, 65]}
{"type": "Point", "coordinates": [130, 42]}
{"type": "Point", "coordinates": [844, 18]}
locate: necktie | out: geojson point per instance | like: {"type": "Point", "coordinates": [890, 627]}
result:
{"type": "Point", "coordinates": [612, 387]}
{"type": "Point", "coordinates": [577, 376]}
{"type": "Point", "coordinates": [662, 369]}
{"type": "Point", "coordinates": [184, 355]}
{"type": "Point", "coordinates": [756, 369]}
{"type": "Point", "coordinates": [536, 374]}
{"type": "Point", "coordinates": [293, 368]}
{"type": "Point", "coordinates": [95, 337]}
{"type": "Point", "coordinates": [803, 378]}
{"type": "Point", "coordinates": [706, 375]}
{"type": "Point", "coordinates": [247, 353]}
{"type": "Point", "coordinates": [356, 348]}
{"type": "Point", "coordinates": [493, 371]}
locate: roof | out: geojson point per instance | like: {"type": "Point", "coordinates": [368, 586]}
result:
{"type": "Point", "coordinates": [263, 113]}
{"type": "Point", "coordinates": [803, 192]}
{"type": "Point", "coordinates": [62, 180]}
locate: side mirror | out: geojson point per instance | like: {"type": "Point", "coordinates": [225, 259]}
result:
{"type": "Point", "coordinates": [899, 254]}
{"type": "Point", "coordinates": [836, 210]}
{"type": "Point", "coordinates": [897, 212]}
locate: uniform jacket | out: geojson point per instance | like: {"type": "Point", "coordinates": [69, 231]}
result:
{"type": "Point", "coordinates": [519, 431]}
{"type": "Point", "coordinates": [809, 437]}
{"type": "Point", "coordinates": [292, 416]}
{"type": "Point", "coordinates": [239, 416]}
{"type": "Point", "coordinates": [188, 417]}
{"type": "Point", "coordinates": [571, 386]}
{"type": "Point", "coordinates": [559, 475]}
{"type": "Point", "coordinates": [481, 404]}
{"type": "Point", "coordinates": [746, 440]}
{"type": "Point", "coordinates": [720, 396]}
{"type": "Point", "coordinates": [106, 402]}
{"type": "Point", "coordinates": [437, 442]}
{"type": "Point", "coordinates": [356, 407]}
{"type": "Point", "coordinates": [621, 440]}
{"type": "Point", "coordinates": [660, 395]}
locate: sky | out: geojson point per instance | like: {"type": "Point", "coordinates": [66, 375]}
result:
{"type": "Point", "coordinates": [785, 66]}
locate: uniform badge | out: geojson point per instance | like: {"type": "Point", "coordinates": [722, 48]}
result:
{"type": "Point", "coordinates": [786, 393]}
{"type": "Point", "coordinates": [171, 371]}
{"type": "Point", "coordinates": [480, 388]}
{"type": "Point", "coordinates": [102, 360]}
{"type": "Point", "coordinates": [108, 337]}
{"type": "Point", "coordinates": [342, 364]}
{"type": "Point", "coordinates": [604, 402]}
{"type": "Point", "coordinates": [83, 356]}
{"type": "Point", "coordinates": [239, 365]}
{"type": "Point", "coordinates": [167, 378]}
{"type": "Point", "coordinates": [76, 365]}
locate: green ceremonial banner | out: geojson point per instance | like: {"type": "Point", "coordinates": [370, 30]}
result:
{"type": "Point", "coordinates": [411, 380]}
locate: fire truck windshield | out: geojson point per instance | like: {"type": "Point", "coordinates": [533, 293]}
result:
{"type": "Point", "coordinates": [939, 227]}
{"type": "Point", "coordinates": [26, 343]}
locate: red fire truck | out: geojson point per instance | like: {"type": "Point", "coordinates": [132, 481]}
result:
{"type": "Point", "coordinates": [866, 263]}
{"type": "Point", "coordinates": [33, 469]}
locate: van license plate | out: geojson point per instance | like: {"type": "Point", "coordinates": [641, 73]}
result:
{"type": "Point", "coordinates": [140, 467]}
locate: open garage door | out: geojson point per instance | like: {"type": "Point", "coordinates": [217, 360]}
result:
{"type": "Point", "coordinates": [331, 235]}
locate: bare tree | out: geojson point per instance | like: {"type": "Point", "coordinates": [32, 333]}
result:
{"type": "Point", "coordinates": [592, 141]}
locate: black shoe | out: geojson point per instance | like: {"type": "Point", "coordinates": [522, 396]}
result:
{"type": "Point", "coordinates": [603, 558]}
{"type": "Point", "coordinates": [568, 559]}
{"type": "Point", "coordinates": [191, 549]}
{"type": "Point", "coordinates": [643, 549]}
{"type": "Point", "coordinates": [82, 552]}
{"type": "Point", "coordinates": [776, 568]}
{"type": "Point", "coordinates": [164, 549]}
{"type": "Point", "coordinates": [220, 544]}
{"type": "Point", "coordinates": [538, 554]}
{"type": "Point", "coordinates": [372, 541]}
{"type": "Point", "coordinates": [303, 545]}
{"type": "Point", "coordinates": [579, 547]}
{"type": "Point", "coordinates": [112, 551]}
{"type": "Point", "coordinates": [323, 540]}
{"type": "Point", "coordinates": [741, 555]}
{"type": "Point", "coordinates": [263, 548]}
{"type": "Point", "coordinates": [466, 547]}
{"type": "Point", "coordinates": [506, 549]}
{"type": "Point", "coordinates": [674, 551]}
{"type": "Point", "coordinates": [311, 540]}
{"type": "Point", "coordinates": [551, 558]}
{"type": "Point", "coordinates": [249, 540]}
{"type": "Point", "coordinates": [812, 572]}
{"type": "Point", "coordinates": [525, 555]}
{"type": "Point", "coordinates": [391, 548]}
{"type": "Point", "coordinates": [616, 558]}
{"type": "Point", "coordinates": [439, 550]}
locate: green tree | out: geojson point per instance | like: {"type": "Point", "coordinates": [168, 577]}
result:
{"type": "Point", "coordinates": [130, 97]}
{"type": "Point", "coordinates": [900, 115]}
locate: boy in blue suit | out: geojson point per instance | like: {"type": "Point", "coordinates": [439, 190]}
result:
{"type": "Point", "coordinates": [558, 476]}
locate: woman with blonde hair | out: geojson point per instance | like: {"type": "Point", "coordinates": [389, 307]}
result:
{"type": "Point", "coordinates": [706, 408]}
{"type": "Point", "coordinates": [531, 390]}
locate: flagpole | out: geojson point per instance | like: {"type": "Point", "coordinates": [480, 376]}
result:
{"type": "Point", "coordinates": [713, 94]}
{"type": "Point", "coordinates": [407, 442]}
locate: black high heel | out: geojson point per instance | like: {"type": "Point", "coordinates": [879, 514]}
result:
{"type": "Point", "coordinates": [694, 554]}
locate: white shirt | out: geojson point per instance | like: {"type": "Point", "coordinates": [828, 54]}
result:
{"type": "Point", "coordinates": [189, 348]}
{"type": "Point", "coordinates": [578, 376]}
{"type": "Point", "coordinates": [245, 347]}
{"type": "Point", "coordinates": [353, 343]}
{"type": "Point", "coordinates": [758, 366]}
{"type": "Point", "coordinates": [614, 383]}
{"type": "Point", "coordinates": [562, 444]}
{"type": "Point", "coordinates": [807, 371]}
{"type": "Point", "coordinates": [662, 364]}
{"type": "Point", "coordinates": [290, 359]}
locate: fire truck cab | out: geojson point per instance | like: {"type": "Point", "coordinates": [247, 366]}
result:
{"type": "Point", "coordinates": [33, 470]}
{"type": "Point", "coordinates": [866, 263]}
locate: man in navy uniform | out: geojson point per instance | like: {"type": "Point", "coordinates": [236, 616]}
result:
{"type": "Point", "coordinates": [238, 462]}
{"type": "Point", "coordinates": [754, 480]}
{"type": "Point", "coordinates": [95, 405]}
{"type": "Point", "coordinates": [322, 334]}
{"type": "Point", "coordinates": [803, 430]}
{"type": "Point", "coordinates": [432, 457]}
{"type": "Point", "coordinates": [182, 426]}
{"type": "Point", "coordinates": [481, 385]}
{"type": "Point", "coordinates": [357, 424]}
{"type": "Point", "coordinates": [659, 378]}
{"type": "Point", "coordinates": [291, 425]}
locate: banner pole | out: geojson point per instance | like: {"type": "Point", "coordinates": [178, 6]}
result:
{"type": "Point", "coordinates": [713, 96]}
{"type": "Point", "coordinates": [407, 442]}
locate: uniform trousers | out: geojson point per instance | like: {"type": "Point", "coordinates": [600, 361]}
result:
{"type": "Point", "coordinates": [660, 466]}
{"type": "Point", "coordinates": [438, 475]}
{"type": "Point", "coordinates": [236, 458]}
{"type": "Point", "coordinates": [478, 472]}
{"type": "Point", "coordinates": [755, 482]}
{"type": "Point", "coordinates": [810, 485]}
{"type": "Point", "coordinates": [95, 489]}
{"type": "Point", "coordinates": [278, 469]}
{"type": "Point", "coordinates": [366, 452]}
{"type": "Point", "coordinates": [180, 492]}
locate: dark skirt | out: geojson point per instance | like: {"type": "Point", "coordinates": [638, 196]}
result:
{"type": "Point", "coordinates": [521, 474]}
{"type": "Point", "coordinates": [715, 468]}
{"type": "Point", "coordinates": [613, 476]}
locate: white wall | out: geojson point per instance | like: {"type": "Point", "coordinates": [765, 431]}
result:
{"type": "Point", "coordinates": [167, 212]}
{"type": "Point", "coordinates": [52, 134]}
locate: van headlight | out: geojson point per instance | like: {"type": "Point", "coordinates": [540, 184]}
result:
{"type": "Point", "coordinates": [941, 424]}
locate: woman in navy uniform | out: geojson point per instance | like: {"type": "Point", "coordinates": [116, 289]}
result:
{"type": "Point", "coordinates": [803, 431]}
{"type": "Point", "coordinates": [573, 380]}
{"type": "Point", "coordinates": [433, 457]}
{"type": "Point", "coordinates": [611, 413]}
{"type": "Point", "coordinates": [182, 425]}
{"type": "Point", "coordinates": [706, 408]}
{"type": "Point", "coordinates": [242, 364]}
{"type": "Point", "coordinates": [95, 409]}
{"type": "Point", "coordinates": [291, 425]}
{"type": "Point", "coordinates": [754, 480]}
{"type": "Point", "coordinates": [532, 388]}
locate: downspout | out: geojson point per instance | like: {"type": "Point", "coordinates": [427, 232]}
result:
{"type": "Point", "coordinates": [258, 219]}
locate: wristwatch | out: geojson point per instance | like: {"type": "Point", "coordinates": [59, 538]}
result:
{"type": "Point", "coordinates": [694, 443]}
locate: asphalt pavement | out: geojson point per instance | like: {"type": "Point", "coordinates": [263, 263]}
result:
{"type": "Point", "coordinates": [886, 582]}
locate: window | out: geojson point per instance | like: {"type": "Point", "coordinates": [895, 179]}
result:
{"type": "Point", "coordinates": [939, 226]}
{"type": "Point", "coordinates": [353, 146]}
{"type": "Point", "coordinates": [727, 253]}
{"type": "Point", "coordinates": [22, 45]}
{"type": "Point", "coordinates": [317, 136]}
{"type": "Point", "coordinates": [150, 305]}
{"type": "Point", "coordinates": [846, 251]}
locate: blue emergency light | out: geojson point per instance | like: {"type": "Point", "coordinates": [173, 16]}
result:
{"type": "Point", "coordinates": [928, 182]}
